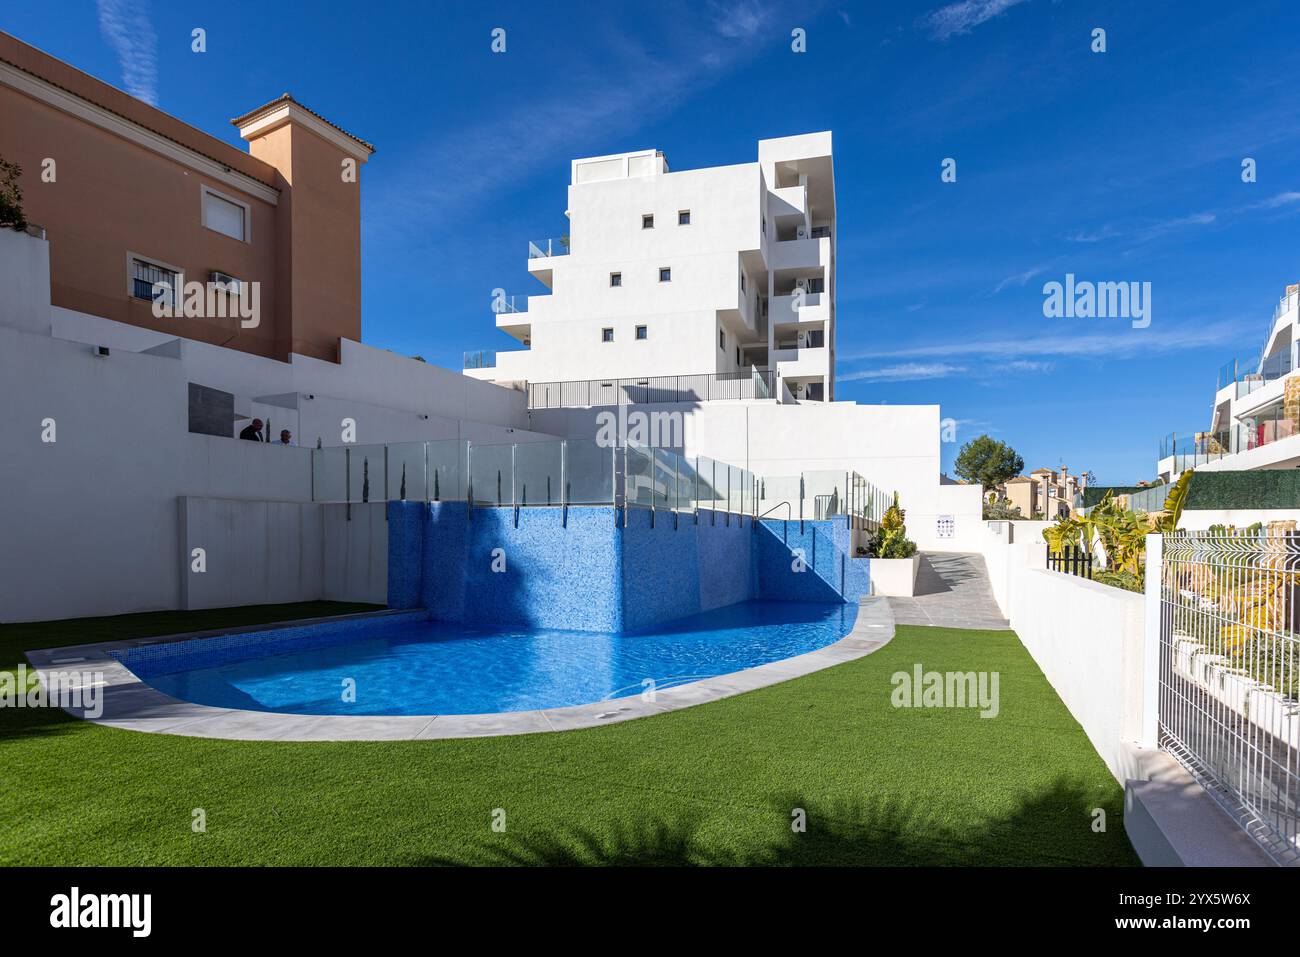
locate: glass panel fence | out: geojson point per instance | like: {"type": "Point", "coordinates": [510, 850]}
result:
{"type": "Point", "coordinates": [405, 468]}
{"type": "Point", "coordinates": [538, 468]}
{"type": "Point", "coordinates": [491, 474]}
{"type": "Point", "coordinates": [447, 461]}
{"type": "Point", "coordinates": [588, 472]}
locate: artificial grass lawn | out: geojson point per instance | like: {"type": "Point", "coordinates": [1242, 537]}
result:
{"type": "Point", "coordinates": [713, 784]}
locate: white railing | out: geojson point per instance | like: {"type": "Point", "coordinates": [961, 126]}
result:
{"type": "Point", "coordinates": [1229, 657]}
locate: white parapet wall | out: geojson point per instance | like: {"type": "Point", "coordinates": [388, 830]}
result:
{"type": "Point", "coordinates": [1087, 638]}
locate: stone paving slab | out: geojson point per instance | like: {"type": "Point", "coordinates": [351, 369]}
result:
{"type": "Point", "coordinates": [129, 703]}
{"type": "Point", "coordinates": [952, 591]}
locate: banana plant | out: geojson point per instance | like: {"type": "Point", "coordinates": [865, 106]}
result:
{"type": "Point", "coordinates": [1167, 521]}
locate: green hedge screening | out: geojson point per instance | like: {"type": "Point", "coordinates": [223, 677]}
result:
{"type": "Point", "coordinates": [1277, 488]}
{"type": "Point", "coordinates": [1274, 488]}
{"type": "Point", "coordinates": [1095, 493]}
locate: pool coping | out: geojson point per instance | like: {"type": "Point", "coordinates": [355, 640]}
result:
{"type": "Point", "coordinates": [130, 704]}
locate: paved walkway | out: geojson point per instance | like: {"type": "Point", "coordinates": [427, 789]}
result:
{"type": "Point", "coordinates": [952, 591]}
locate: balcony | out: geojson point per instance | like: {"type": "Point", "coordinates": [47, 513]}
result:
{"type": "Point", "coordinates": [703, 387]}
{"type": "Point", "coordinates": [781, 309]}
{"type": "Point", "coordinates": [482, 359]}
{"type": "Point", "coordinates": [542, 254]}
{"type": "Point", "coordinates": [810, 253]}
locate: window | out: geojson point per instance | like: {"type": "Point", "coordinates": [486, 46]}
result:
{"type": "Point", "coordinates": [641, 332]}
{"type": "Point", "coordinates": [737, 355]}
{"type": "Point", "coordinates": [648, 221]}
{"type": "Point", "coordinates": [683, 217]}
{"type": "Point", "coordinates": [722, 340]}
{"type": "Point", "coordinates": [607, 335]}
{"type": "Point", "coordinates": [616, 279]}
{"type": "Point", "coordinates": [742, 282]}
{"type": "Point", "coordinates": [145, 277]}
{"type": "Point", "coordinates": [225, 215]}
{"type": "Point", "coordinates": [665, 274]}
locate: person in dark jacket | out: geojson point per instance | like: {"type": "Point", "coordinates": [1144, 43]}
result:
{"type": "Point", "coordinates": [253, 431]}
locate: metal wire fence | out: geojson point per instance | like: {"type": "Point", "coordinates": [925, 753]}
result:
{"type": "Point", "coordinates": [1228, 706]}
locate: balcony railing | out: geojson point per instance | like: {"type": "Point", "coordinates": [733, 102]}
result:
{"type": "Point", "coordinates": [505, 304]}
{"type": "Point", "coordinates": [482, 359]}
{"type": "Point", "coordinates": [1192, 449]}
{"type": "Point", "coordinates": [704, 387]}
{"type": "Point", "coordinates": [546, 248]}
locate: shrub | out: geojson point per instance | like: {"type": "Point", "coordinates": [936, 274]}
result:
{"type": "Point", "coordinates": [1118, 579]}
{"type": "Point", "coordinates": [1002, 511]}
{"type": "Point", "coordinates": [11, 196]}
{"type": "Point", "coordinates": [890, 540]}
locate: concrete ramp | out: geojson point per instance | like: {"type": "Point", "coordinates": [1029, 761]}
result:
{"type": "Point", "coordinates": [952, 591]}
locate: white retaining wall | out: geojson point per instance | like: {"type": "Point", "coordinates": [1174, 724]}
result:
{"type": "Point", "coordinates": [1087, 638]}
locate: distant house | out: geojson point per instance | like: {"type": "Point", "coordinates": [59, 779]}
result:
{"type": "Point", "coordinates": [1044, 491]}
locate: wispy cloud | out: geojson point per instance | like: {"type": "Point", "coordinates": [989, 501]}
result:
{"type": "Point", "coordinates": [1064, 342]}
{"type": "Point", "coordinates": [588, 107]}
{"type": "Point", "coordinates": [1277, 202]}
{"type": "Point", "coordinates": [1142, 233]}
{"type": "Point", "coordinates": [904, 372]}
{"type": "Point", "coordinates": [965, 16]}
{"type": "Point", "coordinates": [128, 28]}
{"type": "Point", "coordinates": [741, 21]}
{"type": "Point", "coordinates": [1020, 278]}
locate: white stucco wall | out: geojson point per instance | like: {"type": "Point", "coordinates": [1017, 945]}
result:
{"type": "Point", "coordinates": [1086, 637]}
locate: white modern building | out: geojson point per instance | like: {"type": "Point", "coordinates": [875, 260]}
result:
{"type": "Point", "coordinates": [1256, 414]}
{"type": "Point", "coordinates": [726, 272]}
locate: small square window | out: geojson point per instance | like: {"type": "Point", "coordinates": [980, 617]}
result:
{"type": "Point", "coordinates": [641, 332]}
{"type": "Point", "coordinates": [607, 335]}
{"type": "Point", "coordinates": [722, 339]}
{"type": "Point", "coordinates": [616, 279]}
{"type": "Point", "coordinates": [665, 274]}
{"type": "Point", "coordinates": [683, 217]}
{"type": "Point", "coordinates": [648, 221]}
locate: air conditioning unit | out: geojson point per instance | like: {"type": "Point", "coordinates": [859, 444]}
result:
{"type": "Point", "coordinates": [227, 283]}
{"type": "Point", "coordinates": [801, 283]}
{"type": "Point", "coordinates": [801, 232]}
{"type": "Point", "coordinates": [799, 390]}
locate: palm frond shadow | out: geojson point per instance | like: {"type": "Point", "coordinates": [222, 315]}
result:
{"type": "Point", "coordinates": [874, 830]}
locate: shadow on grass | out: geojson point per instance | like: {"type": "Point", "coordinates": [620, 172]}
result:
{"type": "Point", "coordinates": [1051, 828]}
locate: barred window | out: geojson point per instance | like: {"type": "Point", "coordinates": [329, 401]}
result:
{"type": "Point", "coordinates": [148, 280]}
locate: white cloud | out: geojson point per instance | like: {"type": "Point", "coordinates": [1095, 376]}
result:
{"type": "Point", "coordinates": [592, 104]}
{"type": "Point", "coordinates": [1273, 202]}
{"type": "Point", "coordinates": [1064, 340]}
{"type": "Point", "coordinates": [128, 28]}
{"type": "Point", "coordinates": [965, 16]}
{"type": "Point", "coordinates": [904, 372]}
{"type": "Point", "coordinates": [1020, 278]}
{"type": "Point", "coordinates": [740, 21]}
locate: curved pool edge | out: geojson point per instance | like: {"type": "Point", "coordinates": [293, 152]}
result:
{"type": "Point", "coordinates": [130, 704]}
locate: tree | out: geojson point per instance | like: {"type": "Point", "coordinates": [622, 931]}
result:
{"type": "Point", "coordinates": [989, 462]}
{"type": "Point", "coordinates": [11, 196]}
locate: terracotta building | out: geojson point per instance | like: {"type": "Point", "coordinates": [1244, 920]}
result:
{"type": "Point", "coordinates": [130, 197]}
{"type": "Point", "coordinates": [1045, 491]}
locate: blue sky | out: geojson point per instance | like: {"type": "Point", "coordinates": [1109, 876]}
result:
{"type": "Point", "coordinates": [1122, 166]}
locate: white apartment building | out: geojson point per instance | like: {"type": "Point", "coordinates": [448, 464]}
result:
{"type": "Point", "coordinates": [1255, 422]}
{"type": "Point", "coordinates": [726, 273]}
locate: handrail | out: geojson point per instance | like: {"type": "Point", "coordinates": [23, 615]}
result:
{"type": "Point", "coordinates": [789, 515]}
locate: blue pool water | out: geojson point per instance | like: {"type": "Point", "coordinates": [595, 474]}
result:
{"type": "Point", "coordinates": [430, 667]}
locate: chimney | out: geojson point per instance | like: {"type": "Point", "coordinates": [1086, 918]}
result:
{"type": "Point", "coordinates": [317, 224]}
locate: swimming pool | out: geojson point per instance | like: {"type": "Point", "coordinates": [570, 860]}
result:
{"type": "Point", "coordinates": [411, 666]}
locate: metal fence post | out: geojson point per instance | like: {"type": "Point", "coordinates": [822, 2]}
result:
{"type": "Point", "coordinates": [1151, 644]}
